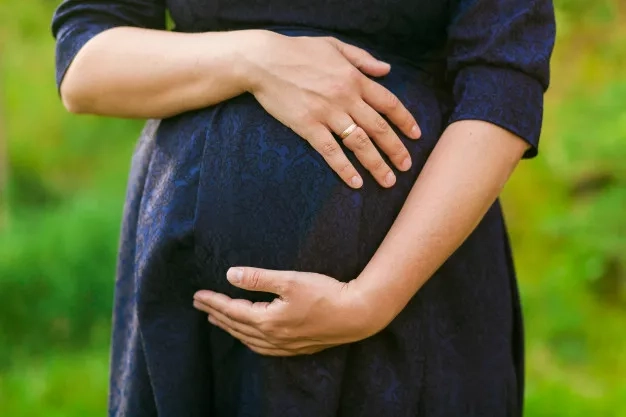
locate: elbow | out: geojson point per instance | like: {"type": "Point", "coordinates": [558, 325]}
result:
{"type": "Point", "coordinates": [73, 106]}
{"type": "Point", "coordinates": [74, 97]}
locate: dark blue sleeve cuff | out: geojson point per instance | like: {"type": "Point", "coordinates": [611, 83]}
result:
{"type": "Point", "coordinates": [70, 40]}
{"type": "Point", "coordinates": [505, 97]}
{"type": "Point", "coordinates": [75, 22]}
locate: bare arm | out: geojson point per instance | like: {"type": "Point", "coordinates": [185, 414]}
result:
{"type": "Point", "coordinates": [499, 53]}
{"type": "Point", "coordinates": [144, 73]}
{"type": "Point", "coordinates": [114, 58]}
{"type": "Point", "coordinates": [460, 181]}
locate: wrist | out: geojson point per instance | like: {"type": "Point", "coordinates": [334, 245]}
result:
{"type": "Point", "coordinates": [249, 47]}
{"type": "Point", "coordinates": [385, 293]}
{"type": "Point", "coordinates": [367, 309]}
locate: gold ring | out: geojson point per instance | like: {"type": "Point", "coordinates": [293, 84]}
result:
{"type": "Point", "coordinates": [348, 131]}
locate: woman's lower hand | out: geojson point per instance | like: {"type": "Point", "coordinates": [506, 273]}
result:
{"type": "Point", "coordinates": [318, 87]}
{"type": "Point", "coordinates": [313, 312]}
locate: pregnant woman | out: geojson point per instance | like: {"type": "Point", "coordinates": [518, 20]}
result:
{"type": "Point", "coordinates": [284, 136]}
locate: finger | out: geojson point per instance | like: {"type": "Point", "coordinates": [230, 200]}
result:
{"type": "Point", "coordinates": [288, 352]}
{"type": "Point", "coordinates": [270, 352]}
{"type": "Point", "coordinates": [247, 329]}
{"type": "Point", "coordinates": [265, 280]}
{"type": "Point", "coordinates": [323, 142]}
{"type": "Point", "coordinates": [361, 59]}
{"type": "Point", "coordinates": [257, 337]}
{"type": "Point", "coordinates": [238, 310]}
{"type": "Point", "coordinates": [359, 143]}
{"type": "Point", "coordinates": [385, 102]}
{"type": "Point", "coordinates": [261, 340]}
{"type": "Point", "coordinates": [244, 338]}
{"type": "Point", "coordinates": [365, 151]}
{"type": "Point", "coordinates": [379, 130]}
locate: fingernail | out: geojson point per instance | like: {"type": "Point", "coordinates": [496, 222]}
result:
{"type": "Point", "coordinates": [356, 181]}
{"type": "Point", "coordinates": [234, 275]}
{"type": "Point", "coordinates": [416, 132]}
{"type": "Point", "coordinates": [406, 164]}
{"type": "Point", "coordinates": [390, 179]}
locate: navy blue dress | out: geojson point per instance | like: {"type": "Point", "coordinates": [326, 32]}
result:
{"type": "Point", "coordinates": [229, 185]}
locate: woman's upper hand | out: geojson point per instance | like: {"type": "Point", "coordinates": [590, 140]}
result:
{"type": "Point", "coordinates": [318, 87]}
{"type": "Point", "coordinates": [313, 312]}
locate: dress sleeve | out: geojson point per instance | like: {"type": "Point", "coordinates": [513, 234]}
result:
{"type": "Point", "coordinates": [498, 62]}
{"type": "Point", "coordinates": [77, 21]}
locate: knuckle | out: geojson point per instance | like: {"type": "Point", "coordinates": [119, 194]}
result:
{"type": "Point", "coordinates": [359, 63]}
{"type": "Point", "coordinates": [302, 116]}
{"type": "Point", "coordinates": [287, 333]}
{"type": "Point", "coordinates": [344, 169]}
{"type": "Point", "coordinates": [399, 151]}
{"type": "Point", "coordinates": [379, 165]}
{"type": "Point", "coordinates": [314, 109]}
{"type": "Point", "coordinates": [257, 322]}
{"type": "Point", "coordinates": [329, 148]}
{"type": "Point", "coordinates": [352, 72]}
{"type": "Point", "coordinates": [361, 140]}
{"type": "Point", "coordinates": [254, 278]}
{"type": "Point", "coordinates": [311, 41]}
{"type": "Point", "coordinates": [268, 328]}
{"type": "Point", "coordinates": [287, 284]}
{"type": "Point", "coordinates": [381, 126]}
{"type": "Point", "coordinates": [407, 118]}
{"type": "Point", "coordinates": [331, 40]}
{"type": "Point", "coordinates": [340, 90]}
{"type": "Point", "coordinates": [391, 102]}
{"type": "Point", "coordinates": [282, 334]}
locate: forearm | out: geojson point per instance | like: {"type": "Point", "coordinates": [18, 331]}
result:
{"type": "Point", "coordinates": [460, 181]}
{"type": "Point", "coordinates": [133, 72]}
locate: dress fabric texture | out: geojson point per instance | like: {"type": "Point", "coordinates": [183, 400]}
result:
{"type": "Point", "coordinates": [229, 185]}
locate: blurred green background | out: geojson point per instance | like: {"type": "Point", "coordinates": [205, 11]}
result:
{"type": "Point", "coordinates": [62, 181]}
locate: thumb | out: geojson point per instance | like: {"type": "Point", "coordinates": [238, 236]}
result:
{"type": "Point", "coordinates": [361, 59]}
{"type": "Point", "coordinates": [257, 279]}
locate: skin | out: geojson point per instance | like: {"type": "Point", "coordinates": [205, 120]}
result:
{"type": "Point", "coordinates": [109, 76]}
{"type": "Point", "coordinates": [468, 169]}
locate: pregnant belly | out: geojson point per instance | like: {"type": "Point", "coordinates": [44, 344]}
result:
{"type": "Point", "coordinates": [266, 198]}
